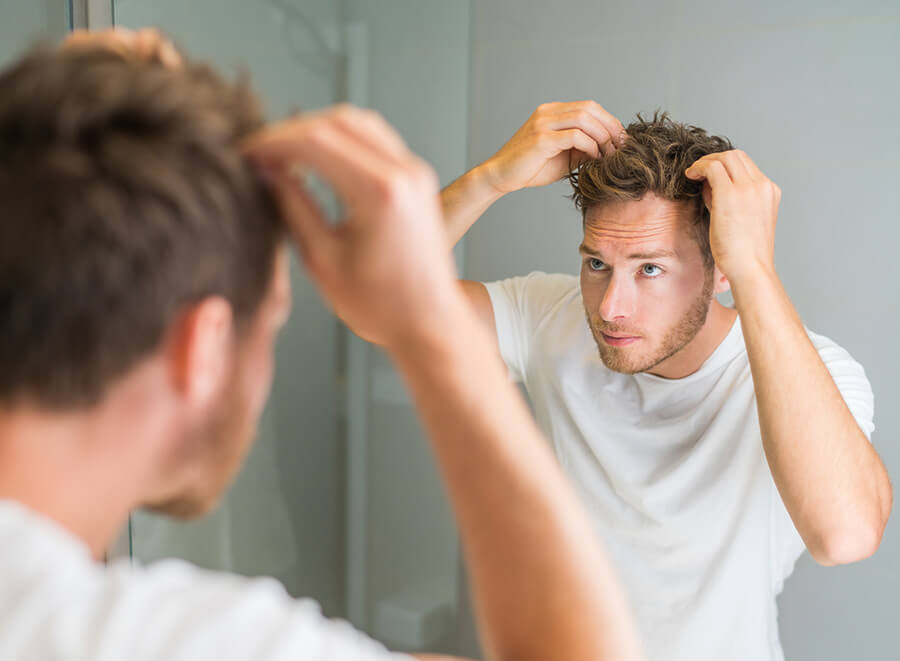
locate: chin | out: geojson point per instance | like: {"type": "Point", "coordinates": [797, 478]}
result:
{"type": "Point", "coordinates": [618, 361]}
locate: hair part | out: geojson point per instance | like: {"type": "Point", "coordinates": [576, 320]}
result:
{"type": "Point", "coordinates": [125, 199]}
{"type": "Point", "coordinates": [653, 160]}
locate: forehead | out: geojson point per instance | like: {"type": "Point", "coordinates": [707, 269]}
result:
{"type": "Point", "coordinates": [650, 222]}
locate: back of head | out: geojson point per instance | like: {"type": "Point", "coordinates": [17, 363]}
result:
{"type": "Point", "coordinates": [125, 198]}
{"type": "Point", "coordinates": [652, 160]}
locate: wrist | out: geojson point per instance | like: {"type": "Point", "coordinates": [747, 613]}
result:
{"type": "Point", "coordinates": [442, 329]}
{"type": "Point", "coordinates": [750, 278]}
{"type": "Point", "coordinates": [483, 181]}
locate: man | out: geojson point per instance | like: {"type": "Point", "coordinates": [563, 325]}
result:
{"type": "Point", "coordinates": [710, 444]}
{"type": "Point", "coordinates": [142, 283]}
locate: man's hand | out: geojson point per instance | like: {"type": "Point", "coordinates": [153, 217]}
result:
{"type": "Point", "coordinates": [743, 206]}
{"type": "Point", "coordinates": [385, 268]}
{"type": "Point", "coordinates": [387, 272]}
{"type": "Point", "coordinates": [147, 43]}
{"type": "Point", "coordinates": [555, 139]}
{"type": "Point", "coordinates": [832, 482]}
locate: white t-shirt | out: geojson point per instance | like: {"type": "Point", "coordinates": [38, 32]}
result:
{"type": "Point", "coordinates": [672, 471]}
{"type": "Point", "coordinates": [57, 604]}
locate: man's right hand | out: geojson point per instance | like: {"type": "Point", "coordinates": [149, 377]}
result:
{"type": "Point", "coordinates": [555, 139]}
{"type": "Point", "coordinates": [384, 268]}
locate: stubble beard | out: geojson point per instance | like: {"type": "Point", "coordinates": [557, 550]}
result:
{"type": "Point", "coordinates": [679, 336]}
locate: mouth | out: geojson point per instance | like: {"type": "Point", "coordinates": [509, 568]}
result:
{"type": "Point", "coordinates": [619, 340]}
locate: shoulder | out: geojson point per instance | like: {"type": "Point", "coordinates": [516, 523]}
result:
{"type": "Point", "coordinates": [537, 291]}
{"type": "Point", "coordinates": [833, 354]}
{"type": "Point", "coordinates": [849, 377]}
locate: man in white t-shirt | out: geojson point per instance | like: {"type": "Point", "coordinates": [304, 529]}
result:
{"type": "Point", "coordinates": [142, 283]}
{"type": "Point", "coordinates": [711, 444]}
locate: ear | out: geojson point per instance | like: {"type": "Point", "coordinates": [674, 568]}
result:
{"type": "Point", "coordinates": [720, 282]}
{"type": "Point", "coordinates": [281, 284]}
{"type": "Point", "coordinates": [200, 350]}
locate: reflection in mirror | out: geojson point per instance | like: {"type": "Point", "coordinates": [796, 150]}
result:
{"type": "Point", "coordinates": [723, 453]}
{"type": "Point", "coordinates": [339, 499]}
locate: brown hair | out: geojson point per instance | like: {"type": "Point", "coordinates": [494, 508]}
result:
{"type": "Point", "coordinates": [652, 160]}
{"type": "Point", "coordinates": [125, 198]}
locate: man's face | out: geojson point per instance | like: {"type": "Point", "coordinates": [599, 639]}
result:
{"type": "Point", "coordinates": [645, 285]}
{"type": "Point", "coordinates": [218, 444]}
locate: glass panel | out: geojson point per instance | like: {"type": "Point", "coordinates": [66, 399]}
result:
{"type": "Point", "coordinates": [339, 498]}
{"type": "Point", "coordinates": [28, 21]}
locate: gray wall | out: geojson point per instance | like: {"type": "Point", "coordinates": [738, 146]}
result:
{"type": "Point", "coordinates": [810, 90]}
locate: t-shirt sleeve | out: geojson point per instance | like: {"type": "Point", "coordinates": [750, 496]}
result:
{"type": "Point", "coordinates": [174, 611]}
{"type": "Point", "coordinates": [851, 380]}
{"type": "Point", "coordinates": [854, 386]}
{"type": "Point", "coordinates": [520, 306]}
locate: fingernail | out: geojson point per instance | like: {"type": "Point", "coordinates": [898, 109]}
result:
{"type": "Point", "coordinates": [623, 136]}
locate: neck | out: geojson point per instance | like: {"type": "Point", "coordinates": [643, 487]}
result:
{"type": "Point", "coordinates": [85, 470]}
{"type": "Point", "coordinates": [691, 357]}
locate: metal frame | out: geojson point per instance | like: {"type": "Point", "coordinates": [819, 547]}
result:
{"type": "Point", "coordinates": [91, 14]}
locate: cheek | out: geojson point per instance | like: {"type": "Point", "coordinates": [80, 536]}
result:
{"type": "Point", "coordinates": [593, 289]}
{"type": "Point", "coordinates": [667, 302]}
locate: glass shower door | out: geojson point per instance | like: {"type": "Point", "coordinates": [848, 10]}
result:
{"type": "Point", "coordinates": [26, 22]}
{"type": "Point", "coordinates": [340, 498]}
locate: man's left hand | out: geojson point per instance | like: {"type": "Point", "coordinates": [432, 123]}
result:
{"type": "Point", "coordinates": [743, 207]}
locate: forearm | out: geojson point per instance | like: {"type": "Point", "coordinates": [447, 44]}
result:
{"type": "Point", "coordinates": [464, 201]}
{"type": "Point", "coordinates": [829, 476]}
{"type": "Point", "coordinates": [542, 586]}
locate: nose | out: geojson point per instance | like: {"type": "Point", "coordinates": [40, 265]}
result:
{"type": "Point", "coordinates": [618, 300]}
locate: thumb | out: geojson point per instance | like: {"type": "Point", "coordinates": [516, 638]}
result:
{"type": "Point", "coordinates": [316, 241]}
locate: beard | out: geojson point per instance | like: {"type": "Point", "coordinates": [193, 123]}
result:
{"type": "Point", "coordinates": [618, 359]}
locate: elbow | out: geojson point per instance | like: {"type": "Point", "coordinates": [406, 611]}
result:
{"type": "Point", "coordinates": [845, 549]}
{"type": "Point", "coordinates": [848, 544]}
{"type": "Point", "coordinates": [858, 539]}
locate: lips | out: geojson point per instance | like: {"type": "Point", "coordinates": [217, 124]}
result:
{"type": "Point", "coordinates": [619, 340]}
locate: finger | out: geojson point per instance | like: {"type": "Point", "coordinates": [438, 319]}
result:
{"type": "Point", "coordinates": [735, 166]}
{"type": "Point", "coordinates": [697, 170]}
{"type": "Point", "coordinates": [586, 122]}
{"type": "Point", "coordinates": [357, 174]}
{"type": "Point", "coordinates": [275, 142]}
{"type": "Point", "coordinates": [755, 173]}
{"type": "Point", "coordinates": [371, 129]}
{"type": "Point", "coordinates": [119, 40]}
{"type": "Point", "coordinates": [150, 44]}
{"type": "Point", "coordinates": [612, 125]}
{"type": "Point", "coordinates": [305, 220]}
{"type": "Point", "coordinates": [578, 140]}
{"type": "Point", "coordinates": [713, 171]}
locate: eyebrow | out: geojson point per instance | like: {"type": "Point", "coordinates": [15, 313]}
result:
{"type": "Point", "coordinates": [655, 254]}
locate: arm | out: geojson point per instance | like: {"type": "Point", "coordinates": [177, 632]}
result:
{"type": "Point", "coordinates": [831, 480]}
{"type": "Point", "coordinates": [543, 588]}
{"type": "Point", "coordinates": [554, 140]}
{"type": "Point", "coordinates": [517, 515]}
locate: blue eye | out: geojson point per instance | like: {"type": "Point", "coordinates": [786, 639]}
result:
{"type": "Point", "coordinates": [596, 264]}
{"type": "Point", "coordinates": [645, 270]}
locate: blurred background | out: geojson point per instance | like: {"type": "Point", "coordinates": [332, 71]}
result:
{"type": "Point", "coordinates": [340, 499]}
